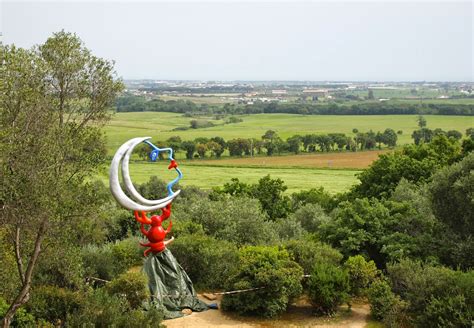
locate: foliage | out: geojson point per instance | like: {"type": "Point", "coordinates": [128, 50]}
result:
{"type": "Point", "coordinates": [268, 191]}
{"type": "Point", "coordinates": [132, 285]}
{"type": "Point", "coordinates": [311, 216]}
{"type": "Point", "coordinates": [53, 304]}
{"type": "Point", "coordinates": [22, 318]}
{"type": "Point", "coordinates": [361, 274]}
{"type": "Point", "coordinates": [237, 219]}
{"type": "Point", "coordinates": [307, 252]}
{"type": "Point", "coordinates": [452, 191]}
{"type": "Point", "coordinates": [54, 99]}
{"type": "Point", "coordinates": [103, 310]}
{"type": "Point", "coordinates": [207, 261]}
{"type": "Point", "coordinates": [413, 163]}
{"type": "Point", "coordinates": [266, 267]}
{"type": "Point", "coordinates": [287, 229]}
{"type": "Point", "coordinates": [312, 196]}
{"type": "Point", "coordinates": [328, 287]}
{"type": "Point", "coordinates": [385, 305]}
{"type": "Point", "coordinates": [435, 295]}
{"type": "Point", "coordinates": [109, 260]}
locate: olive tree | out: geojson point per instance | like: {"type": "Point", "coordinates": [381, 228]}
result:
{"type": "Point", "coordinates": [53, 101]}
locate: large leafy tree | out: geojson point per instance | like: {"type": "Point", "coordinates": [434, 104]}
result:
{"type": "Point", "coordinates": [415, 163]}
{"type": "Point", "coordinates": [54, 99]}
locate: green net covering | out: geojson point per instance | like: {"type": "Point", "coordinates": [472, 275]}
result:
{"type": "Point", "coordinates": [170, 286]}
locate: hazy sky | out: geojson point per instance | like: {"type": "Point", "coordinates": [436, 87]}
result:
{"type": "Point", "coordinates": [224, 40]}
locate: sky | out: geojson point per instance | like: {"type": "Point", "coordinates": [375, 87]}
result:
{"type": "Point", "coordinates": [279, 40]}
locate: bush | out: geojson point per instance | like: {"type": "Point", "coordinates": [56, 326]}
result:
{"type": "Point", "coordinates": [381, 299]}
{"type": "Point", "coordinates": [53, 304]}
{"type": "Point", "coordinates": [98, 261]}
{"type": "Point", "coordinates": [449, 311]}
{"type": "Point", "coordinates": [288, 228]}
{"type": "Point", "coordinates": [307, 253]}
{"type": "Point", "coordinates": [328, 287]}
{"type": "Point", "coordinates": [104, 310]}
{"type": "Point", "coordinates": [435, 295]}
{"type": "Point", "coordinates": [132, 285]}
{"type": "Point", "coordinates": [267, 267]}
{"type": "Point", "coordinates": [311, 216]}
{"type": "Point", "coordinates": [109, 260]}
{"type": "Point", "coordinates": [361, 274]}
{"type": "Point", "coordinates": [207, 261]}
{"type": "Point", "coordinates": [236, 219]}
{"type": "Point", "coordinates": [21, 319]}
{"type": "Point", "coordinates": [127, 253]}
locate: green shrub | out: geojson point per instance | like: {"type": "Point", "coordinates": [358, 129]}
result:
{"type": "Point", "coordinates": [132, 285]}
{"type": "Point", "coordinates": [108, 261]}
{"type": "Point", "coordinates": [52, 303]}
{"type": "Point", "coordinates": [381, 299]}
{"type": "Point", "coordinates": [267, 267]}
{"type": "Point", "coordinates": [311, 216]}
{"type": "Point", "coordinates": [236, 219]}
{"type": "Point", "coordinates": [328, 287]}
{"type": "Point", "coordinates": [21, 319]}
{"type": "Point", "coordinates": [435, 295]}
{"type": "Point", "coordinates": [450, 311]}
{"type": "Point", "coordinates": [102, 310]}
{"type": "Point", "coordinates": [307, 253]}
{"type": "Point", "coordinates": [288, 228]}
{"type": "Point", "coordinates": [127, 253]}
{"type": "Point", "coordinates": [361, 274]}
{"type": "Point", "coordinates": [206, 260]}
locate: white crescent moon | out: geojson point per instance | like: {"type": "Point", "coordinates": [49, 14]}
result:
{"type": "Point", "coordinates": [117, 191]}
{"type": "Point", "coordinates": [128, 181]}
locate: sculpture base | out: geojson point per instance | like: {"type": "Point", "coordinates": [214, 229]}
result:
{"type": "Point", "coordinates": [170, 287]}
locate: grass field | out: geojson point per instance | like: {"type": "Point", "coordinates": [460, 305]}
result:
{"type": "Point", "coordinates": [207, 177]}
{"type": "Point", "coordinates": [124, 126]}
{"type": "Point", "coordinates": [334, 171]}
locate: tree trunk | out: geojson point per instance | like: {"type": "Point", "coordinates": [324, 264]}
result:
{"type": "Point", "coordinates": [24, 294]}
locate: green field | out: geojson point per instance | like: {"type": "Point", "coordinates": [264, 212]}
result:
{"type": "Point", "coordinates": [207, 177]}
{"type": "Point", "coordinates": [124, 126]}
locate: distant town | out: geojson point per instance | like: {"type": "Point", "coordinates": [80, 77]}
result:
{"type": "Point", "coordinates": [249, 92]}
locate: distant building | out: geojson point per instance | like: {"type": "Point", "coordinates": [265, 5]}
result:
{"type": "Point", "coordinates": [315, 94]}
{"type": "Point", "coordinates": [279, 92]}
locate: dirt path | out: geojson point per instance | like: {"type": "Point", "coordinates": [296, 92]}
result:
{"type": "Point", "coordinates": [298, 315]}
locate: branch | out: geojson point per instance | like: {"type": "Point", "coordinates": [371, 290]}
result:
{"type": "Point", "coordinates": [19, 262]}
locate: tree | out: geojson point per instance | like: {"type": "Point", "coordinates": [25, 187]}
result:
{"type": "Point", "coordinates": [454, 134]}
{"type": "Point", "coordinates": [390, 137]}
{"type": "Point", "coordinates": [416, 163]}
{"type": "Point", "coordinates": [215, 148]}
{"type": "Point", "coordinates": [294, 144]}
{"type": "Point", "coordinates": [379, 139]}
{"type": "Point", "coordinates": [270, 194]}
{"type": "Point", "coordinates": [189, 147]}
{"type": "Point", "coordinates": [371, 95]}
{"type": "Point", "coordinates": [221, 142]}
{"type": "Point", "coordinates": [421, 121]}
{"type": "Point", "coordinates": [174, 142]}
{"type": "Point", "coordinates": [54, 97]}
{"type": "Point", "coordinates": [271, 141]}
{"type": "Point", "coordinates": [201, 149]}
{"type": "Point", "coordinates": [470, 133]}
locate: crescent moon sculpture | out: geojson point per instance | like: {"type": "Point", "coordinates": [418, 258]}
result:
{"type": "Point", "coordinates": [140, 204]}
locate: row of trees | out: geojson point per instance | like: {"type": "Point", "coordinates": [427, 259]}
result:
{"type": "Point", "coordinates": [129, 103]}
{"type": "Point", "coordinates": [271, 143]}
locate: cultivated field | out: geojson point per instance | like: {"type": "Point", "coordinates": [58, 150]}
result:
{"type": "Point", "coordinates": [343, 160]}
{"type": "Point", "coordinates": [124, 126]}
{"type": "Point", "coordinates": [336, 172]}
